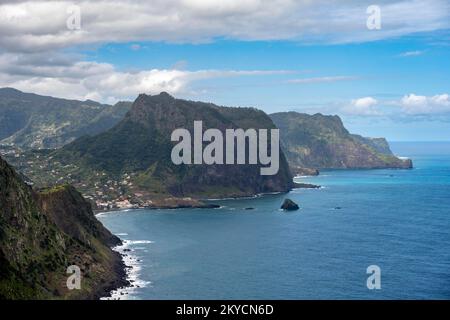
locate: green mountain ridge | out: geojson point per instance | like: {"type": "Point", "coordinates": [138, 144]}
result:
{"type": "Point", "coordinates": [32, 121]}
{"type": "Point", "coordinates": [140, 146]}
{"type": "Point", "coordinates": [322, 142]}
{"type": "Point", "coordinates": [126, 162]}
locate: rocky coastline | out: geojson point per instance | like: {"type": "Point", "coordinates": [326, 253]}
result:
{"type": "Point", "coordinates": [119, 279]}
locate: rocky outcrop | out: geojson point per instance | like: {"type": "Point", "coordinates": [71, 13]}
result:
{"type": "Point", "coordinates": [319, 141]}
{"type": "Point", "coordinates": [306, 186]}
{"type": "Point", "coordinates": [289, 205]}
{"type": "Point", "coordinates": [41, 234]}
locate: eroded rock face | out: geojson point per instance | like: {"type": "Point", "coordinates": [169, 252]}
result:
{"type": "Point", "coordinates": [289, 205]}
{"type": "Point", "coordinates": [41, 234]}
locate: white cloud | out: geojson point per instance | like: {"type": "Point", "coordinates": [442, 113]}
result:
{"type": "Point", "coordinates": [33, 34]}
{"type": "Point", "coordinates": [322, 79]}
{"type": "Point", "coordinates": [410, 105]}
{"type": "Point", "coordinates": [41, 25]}
{"type": "Point", "coordinates": [413, 104]}
{"type": "Point", "coordinates": [58, 75]}
{"type": "Point", "coordinates": [412, 53]}
{"type": "Point", "coordinates": [365, 102]}
{"type": "Point", "coordinates": [362, 107]}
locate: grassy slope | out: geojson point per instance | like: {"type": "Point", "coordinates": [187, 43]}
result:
{"type": "Point", "coordinates": [41, 234]}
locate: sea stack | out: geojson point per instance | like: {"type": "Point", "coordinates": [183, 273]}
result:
{"type": "Point", "coordinates": [289, 205]}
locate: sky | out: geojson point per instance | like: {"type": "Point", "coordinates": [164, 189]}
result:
{"type": "Point", "coordinates": [383, 66]}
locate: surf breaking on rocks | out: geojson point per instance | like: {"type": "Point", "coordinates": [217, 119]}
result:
{"type": "Point", "coordinates": [133, 264]}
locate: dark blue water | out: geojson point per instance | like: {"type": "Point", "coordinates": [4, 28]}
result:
{"type": "Point", "coordinates": [398, 220]}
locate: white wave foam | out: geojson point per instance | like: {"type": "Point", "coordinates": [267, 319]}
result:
{"type": "Point", "coordinates": [133, 265]}
{"type": "Point", "coordinates": [139, 242]}
{"type": "Point", "coordinates": [101, 214]}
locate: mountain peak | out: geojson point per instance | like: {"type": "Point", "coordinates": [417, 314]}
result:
{"type": "Point", "coordinates": [161, 95]}
{"type": "Point", "coordinates": [10, 92]}
{"type": "Point", "coordinates": [164, 94]}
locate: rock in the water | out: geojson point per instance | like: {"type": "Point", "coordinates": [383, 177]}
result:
{"type": "Point", "coordinates": [289, 205]}
{"type": "Point", "coordinates": [210, 206]}
{"type": "Point", "coordinates": [306, 186]}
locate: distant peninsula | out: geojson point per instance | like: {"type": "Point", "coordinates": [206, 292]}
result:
{"type": "Point", "coordinates": [315, 142]}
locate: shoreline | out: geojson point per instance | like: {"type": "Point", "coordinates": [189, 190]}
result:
{"type": "Point", "coordinates": [172, 207]}
{"type": "Point", "coordinates": [132, 265]}
{"type": "Point", "coordinates": [198, 203]}
{"type": "Point", "coordinates": [121, 279]}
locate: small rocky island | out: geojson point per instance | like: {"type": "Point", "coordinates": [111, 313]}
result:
{"type": "Point", "coordinates": [289, 205]}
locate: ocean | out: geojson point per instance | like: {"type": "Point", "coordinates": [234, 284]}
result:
{"type": "Point", "coordinates": [398, 220]}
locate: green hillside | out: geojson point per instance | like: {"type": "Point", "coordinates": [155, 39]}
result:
{"type": "Point", "coordinates": [32, 121]}
{"type": "Point", "coordinates": [319, 141]}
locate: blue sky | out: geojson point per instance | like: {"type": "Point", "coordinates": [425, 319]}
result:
{"type": "Point", "coordinates": [274, 55]}
{"type": "Point", "coordinates": [386, 70]}
{"type": "Point", "coordinates": [374, 69]}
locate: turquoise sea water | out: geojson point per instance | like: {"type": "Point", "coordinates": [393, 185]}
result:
{"type": "Point", "coordinates": [398, 220]}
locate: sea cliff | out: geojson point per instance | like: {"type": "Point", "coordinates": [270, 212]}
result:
{"type": "Point", "coordinates": [44, 232]}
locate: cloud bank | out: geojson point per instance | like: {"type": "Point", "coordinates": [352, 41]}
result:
{"type": "Point", "coordinates": [412, 106]}
{"type": "Point", "coordinates": [35, 34]}
{"type": "Point", "coordinates": [63, 76]}
{"type": "Point", "coordinates": [422, 105]}
{"type": "Point", "coordinates": [42, 25]}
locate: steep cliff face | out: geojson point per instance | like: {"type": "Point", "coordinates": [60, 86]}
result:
{"type": "Point", "coordinates": [380, 145]}
{"type": "Point", "coordinates": [72, 214]}
{"type": "Point", "coordinates": [318, 141]}
{"type": "Point", "coordinates": [41, 234]}
{"type": "Point", "coordinates": [28, 244]}
{"type": "Point", "coordinates": [140, 145]}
